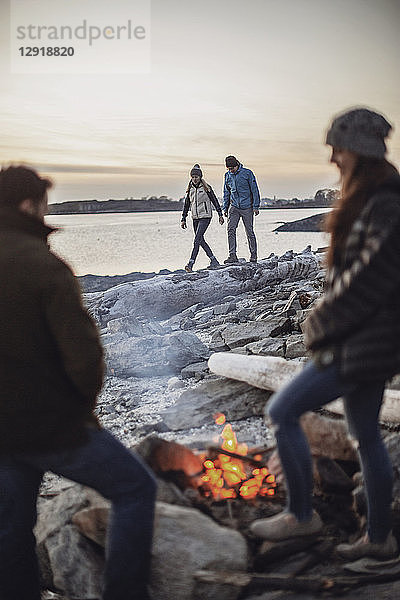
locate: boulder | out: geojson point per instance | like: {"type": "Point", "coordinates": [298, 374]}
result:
{"type": "Point", "coordinates": [155, 354]}
{"type": "Point", "coordinates": [186, 541]}
{"type": "Point", "coordinates": [67, 560]}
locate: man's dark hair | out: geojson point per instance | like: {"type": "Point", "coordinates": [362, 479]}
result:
{"type": "Point", "coordinates": [19, 183]}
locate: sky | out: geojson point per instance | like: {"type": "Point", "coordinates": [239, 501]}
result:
{"type": "Point", "coordinates": [259, 79]}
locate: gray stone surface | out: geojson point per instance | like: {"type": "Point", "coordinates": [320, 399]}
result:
{"type": "Point", "coordinates": [268, 347]}
{"type": "Point", "coordinates": [295, 346]}
{"type": "Point", "coordinates": [167, 295]}
{"type": "Point", "coordinates": [197, 370]}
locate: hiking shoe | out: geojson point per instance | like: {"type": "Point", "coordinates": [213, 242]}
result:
{"type": "Point", "coordinates": [232, 259]}
{"type": "Point", "coordinates": [188, 268]}
{"type": "Point", "coordinates": [364, 548]}
{"type": "Point", "coordinates": [213, 263]}
{"type": "Point", "coordinates": [285, 526]}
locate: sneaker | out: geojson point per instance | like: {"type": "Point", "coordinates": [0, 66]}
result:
{"type": "Point", "coordinates": [188, 267]}
{"type": "Point", "coordinates": [285, 526]}
{"type": "Point", "coordinates": [253, 259]}
{"type": "Point", "coordinates": [213, 263]}
{"type": "Point", "coordinates": [364, 548]}
{"type": "Point", "coordinates": [232, 258]}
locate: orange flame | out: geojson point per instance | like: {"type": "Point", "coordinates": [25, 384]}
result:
{"type": "Point", "coordinates": [226, 477]}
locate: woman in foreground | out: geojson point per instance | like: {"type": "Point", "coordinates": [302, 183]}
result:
{"type": "Point", "coordinates": [353, 335]}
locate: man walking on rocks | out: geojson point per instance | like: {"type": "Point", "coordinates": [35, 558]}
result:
{"type": "Point", "coordinates": [241, 201]}
{"type": "Point", "coordinates": [51, 371]}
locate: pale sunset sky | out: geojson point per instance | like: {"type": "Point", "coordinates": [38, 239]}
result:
{"type": "Point", "coordinates": [259, 79]}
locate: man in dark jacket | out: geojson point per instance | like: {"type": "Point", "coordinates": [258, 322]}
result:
{"type": "Point", "coordinates": [51, 370]}
{"type": "Point", "coordinates": [241, 201]}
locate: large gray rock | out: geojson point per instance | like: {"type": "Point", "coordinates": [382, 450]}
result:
{"type": "Point", "coordinates": [72, 528]}
{"type": "Point", "coordinates": [167, 295]}
{"type": "Point", "coordinates": [186, 541]}
{"type": "Point", "coordinates": [154, 354]}
{"type": "Point", "coordinates": [197, 406]}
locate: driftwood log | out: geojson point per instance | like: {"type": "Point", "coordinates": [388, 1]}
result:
{"type": "Point", "coordinates": [272, 373]}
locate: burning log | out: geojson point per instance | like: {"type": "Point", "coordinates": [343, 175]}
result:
{"type": "Point", "coordinates": [250, 458]}
{"type": "Point", "coordinates": [271, 552]}
{"type": "Point", "coordinates": [171, 461]}
{"type": "Point", "coordinates": [257, 582]}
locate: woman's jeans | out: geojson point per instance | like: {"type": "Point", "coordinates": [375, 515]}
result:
{"type": "Point", "coordinates": [309, 390]}
{"type": "Point", "coordinates": [103, 464]}
{"type": "Point", "coordinates": [200, 226]}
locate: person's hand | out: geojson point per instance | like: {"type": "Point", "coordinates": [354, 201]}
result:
{"type": "Point", "coordinates": [256, 211]}
{"type": "Point", "coordinates": [183, 224]}
{"type": "Point", "coordinates": [221, 220]}
{"type": "Point", "coordinates": [226, 213]}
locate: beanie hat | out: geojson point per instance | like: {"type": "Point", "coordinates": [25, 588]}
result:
{"type": "Point", "coordinates": [361, 131]}
{"type": "Point", "coordinates": [196, 171]}
{"type": "Point", "coordinates": [231, 161]}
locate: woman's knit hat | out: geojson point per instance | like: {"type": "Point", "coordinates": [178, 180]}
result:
{"type": "Point", "coordinates": [360, 130]}
{"type": "Point", "coordinates": [196, 171]}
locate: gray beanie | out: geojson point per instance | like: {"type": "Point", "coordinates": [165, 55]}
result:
{"type": "Point", "coordinates": [361, 131]}
{"type": "Point", "coordinates": [196, 171]}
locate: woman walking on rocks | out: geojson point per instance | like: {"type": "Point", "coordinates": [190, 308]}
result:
{"type": "Point", "coordinates": [199, 198]}
{"type": "Point", "coordinates": [353, 335]}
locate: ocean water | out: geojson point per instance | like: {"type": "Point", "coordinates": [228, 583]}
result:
{"type": "Point", "coordinates": [119, 243]}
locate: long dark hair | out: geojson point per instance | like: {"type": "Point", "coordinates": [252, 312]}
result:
{"type": "Point", "coordinates": [368, 174]}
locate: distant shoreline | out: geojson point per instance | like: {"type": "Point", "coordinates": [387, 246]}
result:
{"type": "Point", "coordinates": [90, 207]}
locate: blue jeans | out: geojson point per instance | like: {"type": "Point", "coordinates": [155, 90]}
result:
{"type": "Point", "coordinates": [309, 390]}
{"type": "Point", "coordinates": [103, 464]}
{"type": "Point", "coordinates": [200, 226]}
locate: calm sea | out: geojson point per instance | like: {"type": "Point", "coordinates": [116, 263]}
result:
{"type": "Point", "coordinates": [119, 243]}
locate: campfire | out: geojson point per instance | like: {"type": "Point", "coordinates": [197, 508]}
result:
{"type": "Point", "coordinates": [232, 471]}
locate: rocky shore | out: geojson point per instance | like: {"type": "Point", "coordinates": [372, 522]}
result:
{"type": "Point", "coordinates": [158, 333]}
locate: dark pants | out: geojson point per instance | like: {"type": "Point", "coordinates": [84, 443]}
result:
{"type": "Point", "coordinates": [247, 216]}
{"type": "Point", "coordinates": [309, 390]}
{"type": "Point", "coordinates": [103, 464]}
{"type": "Point", "coordinates": [200, 226]}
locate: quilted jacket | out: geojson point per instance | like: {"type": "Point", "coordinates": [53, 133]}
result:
{"type": "Point", "coordinates": [358, 319]}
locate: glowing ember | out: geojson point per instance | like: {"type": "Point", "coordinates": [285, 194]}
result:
{"type": "Point", "coordinates": [219, 418]}
{"type": "Point", "coordinates": [226, 476]}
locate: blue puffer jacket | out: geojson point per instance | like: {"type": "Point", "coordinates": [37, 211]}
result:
{"type": "Point", "coordinates": [241, 189]}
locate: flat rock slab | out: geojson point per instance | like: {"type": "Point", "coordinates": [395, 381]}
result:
{"type": "Point", "coordinates": [196, 407]}
{"type": "Point", "coordinates": [244, 333]}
